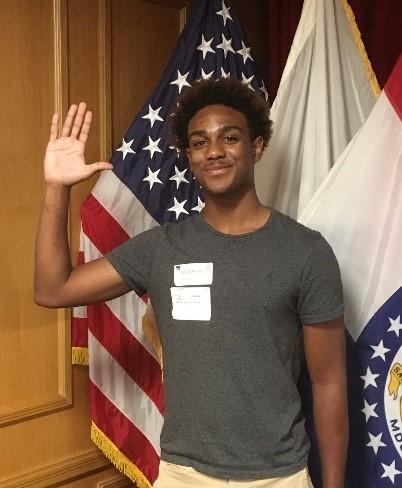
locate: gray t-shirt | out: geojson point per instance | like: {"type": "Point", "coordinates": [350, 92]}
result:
{"type": "Point", "coordinates": [233, 353]}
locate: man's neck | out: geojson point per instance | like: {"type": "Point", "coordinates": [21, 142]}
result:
{"type": "Point", "coordinates": [230, 214]}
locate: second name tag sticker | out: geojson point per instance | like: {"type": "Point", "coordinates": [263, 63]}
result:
{"type": "Point", "coordinates": [191, 303]}
{"type": "Point", "coordinates": [193, 274]}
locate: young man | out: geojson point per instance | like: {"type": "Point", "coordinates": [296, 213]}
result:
{"type": "Point", "coordinates": [241, 294]}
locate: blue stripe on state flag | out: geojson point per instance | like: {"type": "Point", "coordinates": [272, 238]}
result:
{"type": "Point", "coordinates": [212, 44]}
{"type": "Point", "coordinates": [376, 394]}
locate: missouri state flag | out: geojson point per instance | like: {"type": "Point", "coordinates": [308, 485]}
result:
{"type": "Point", "coordinates": [358, 209]}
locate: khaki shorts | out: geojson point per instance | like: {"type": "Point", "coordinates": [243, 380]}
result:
{"type": "Point", "coordinates": [174, 476]}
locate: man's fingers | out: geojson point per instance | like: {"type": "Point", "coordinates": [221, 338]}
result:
{"type": "Point", "coordinates": [77, 123]}
{"type": "Point", "coordinates": [54, 128]}
{"type": "Point", "coordinates": [69, 121]}
{"type": "Point", "coordinates": [101, 165]}
{"type": "Point", "coordinates": [79, 117]}
{"type": "Point", "coordinates": [86, 125]}
{"type": "Point", "coordinates": [96, 167]}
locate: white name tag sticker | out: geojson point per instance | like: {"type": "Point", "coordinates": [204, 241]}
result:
{"type": "Point", "coordinates": [191, 303]}
{"type": "Point", "coordinates": [193, 274]}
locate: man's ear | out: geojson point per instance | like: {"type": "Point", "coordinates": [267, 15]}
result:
{"type": "Point", "coordinates": [258, 145]}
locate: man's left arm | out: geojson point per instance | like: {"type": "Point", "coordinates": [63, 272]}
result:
{"type": "Point", "coordinates": [325, 351]}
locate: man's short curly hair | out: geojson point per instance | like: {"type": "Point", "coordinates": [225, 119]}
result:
{"type": "Point", "coordinates": [225, 91]}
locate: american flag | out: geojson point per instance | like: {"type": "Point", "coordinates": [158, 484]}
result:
{"type": "Point", "coordinates": [151, 184]}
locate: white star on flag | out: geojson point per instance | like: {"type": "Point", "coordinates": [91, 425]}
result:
{"type": "Point", "coordinates": [152, 146]}
{"type": "Point", "coordinates": [245, 52]}
{"type": "Point", "coordinates": [152, 177]}
{"type": "Point", "coordinates": [369, 378]}
{"type": "Point", "coordinates": [375, 442]}
{"type": "Point", "coordinates": [390, 471]}
{"type": "Point", "coordinates": [226, 45]}
{"type": "Point", "coordinates": [247, 81]}
{"type": "Point", "coordinates": [205, 46]}
{"type": "Point", "coordinates": [396, 325]}
{"type": "Point", "coordinates": [379, 351]}
{"type": "Point", "coordinates": [153, 115]}
{"type": "Point", "coordinates": [264, 91]}
{"type": "Point", "coordinates": [206, 76]}
{"type": "Point", "coordinates": [224, 74]}
{"type": "Point", "coordinates": [181, 80]}
{"type": "Point", "coordinates": [200, 206]}
{"type": "Point", "coordinates": [125, 148]}
{"type": "Point", "coordinates": [178, 207]}
{"type": "Point", "coordinates": [369, 410]}
{"type": "Point", "coordinates": [178, 177]}
{"type": "Point", "coordinates": [225, 13]}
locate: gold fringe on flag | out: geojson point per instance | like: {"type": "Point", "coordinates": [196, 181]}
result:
{"type": "Point", "coordinates": [122, 463]}
{"type": "Point", "coordinates": [360, 47]}
{"type": "Point", "coordinates": [79, 355]}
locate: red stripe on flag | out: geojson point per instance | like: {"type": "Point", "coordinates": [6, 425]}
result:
{"type": "Point", "coordinates": [393, 88]}
{"type": "Point", "coordinates": [124, 434]}
{"type": "Point", "coordinates": [100, 227]}
{"type": "Point", "coordinates": [139, 364]}
{"type": "Point", "coordinates": [79, 332]}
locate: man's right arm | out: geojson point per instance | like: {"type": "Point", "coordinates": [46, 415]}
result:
{"type": "Point", "coordinates": [57, 283]}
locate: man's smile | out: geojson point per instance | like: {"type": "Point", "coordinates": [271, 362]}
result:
{"type": "Point", "coordinates": [216, 169]}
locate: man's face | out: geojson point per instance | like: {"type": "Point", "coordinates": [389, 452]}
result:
{"type": "Point", "coordinates": [221, 152]}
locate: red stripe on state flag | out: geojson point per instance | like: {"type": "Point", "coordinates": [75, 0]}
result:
{"type": "Point", "coordinates": [393, 88]}
{"type": "Point", "coordinates": [132, 356]}
{"type": "Point", "coordinates": [125, 436]}
{"type": "Point", "coordinates": [100, 227]}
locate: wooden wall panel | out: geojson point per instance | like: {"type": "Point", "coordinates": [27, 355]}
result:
{"type": "Point", "coordinates": [107, 479]}
{"type": "Point", "coordinates": [35, 355]}
{"type": "Point", "coordinates": [35, 370]}
{"type": "Point", "coordinates": [84, 80]}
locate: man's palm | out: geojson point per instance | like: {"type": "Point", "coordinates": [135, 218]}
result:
{"type": "Point", "coordinates": [64, 160]}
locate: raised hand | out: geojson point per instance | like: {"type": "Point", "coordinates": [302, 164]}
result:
{"type": "Point", "coordinates": [64, 160]}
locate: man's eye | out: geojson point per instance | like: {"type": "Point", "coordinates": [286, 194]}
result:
{"type": "Point", "coordinates": [198, 143]}
{"type": "Point", "coordinates": [230, 139]}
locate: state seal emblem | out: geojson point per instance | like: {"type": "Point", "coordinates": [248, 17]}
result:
{"type": "Point", "coordinates": [379, 349]}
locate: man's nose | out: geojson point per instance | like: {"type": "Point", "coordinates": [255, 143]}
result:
{"type": "Point", "coordinates": [215, 150]}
